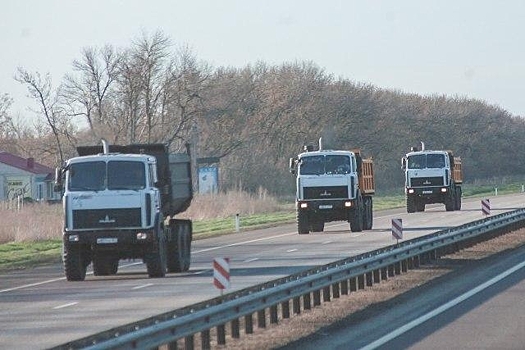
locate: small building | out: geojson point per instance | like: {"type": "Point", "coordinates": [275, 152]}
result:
{"type": "Point", "coordinates": [25, 178]}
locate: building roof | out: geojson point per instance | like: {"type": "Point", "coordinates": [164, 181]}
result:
{"type": "Point", "coordinates": [26, 164]}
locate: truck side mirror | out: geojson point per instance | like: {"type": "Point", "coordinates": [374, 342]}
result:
{"type": "Point", "coordinates": [403, 163]}
{"type": "Point", "coordinates": [293, 162]}
{"type": "Point", "coordinates": [58, 180]}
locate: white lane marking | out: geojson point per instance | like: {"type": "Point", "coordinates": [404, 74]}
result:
{"type": "Point", "coordinates": [326, 242]}
{"type": "Point", "coordinates": [32, 285]}
{"type": "Point", "coordinates": [291, 250]}
{"type": "Point", "coordinates": [65, 305]}
{"type": "Point", "coordinates": [242, 243]}
{"type": "Point", "coordinates": [201, 272]}
{"type": "Point", "coordinates": [441, 309]}
{"type": "Point", "coordinates": [251, 260]}
{"type": "Point", "coordinates": [142, 286]}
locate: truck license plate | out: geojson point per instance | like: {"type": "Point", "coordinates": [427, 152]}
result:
{"type": "Point", "coordinates": [106, 240]}
{"type": "Point", "coordinates": [325, 206]}
{"type": "Point", "coordinates": [427, 192]}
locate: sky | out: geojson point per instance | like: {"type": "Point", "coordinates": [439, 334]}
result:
{"type": "Point", "coordinates": [467, 48]}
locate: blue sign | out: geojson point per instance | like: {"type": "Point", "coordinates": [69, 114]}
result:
{"type": "Point", "coordinates": [208, 179]}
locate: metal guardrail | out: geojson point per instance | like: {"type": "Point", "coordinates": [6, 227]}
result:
{"type": "Point", "coordinates": [330, 280]}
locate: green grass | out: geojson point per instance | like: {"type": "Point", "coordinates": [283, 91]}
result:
{"type": "Point", "coordinates": [27, 254]}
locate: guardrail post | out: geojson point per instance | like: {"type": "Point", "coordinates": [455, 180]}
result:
{"type": "Point", "coordinates": [188, 342]}
{"type": "Point", "coordinates": [326, 293]}
{"type": "Point", "coordinates": [273, 314]}
{"type": "Point", "coordinates": [361, 282]}
{"type": "Point", "coordinates": [285, 309]}
{"type": "Point", "coordinates": [307, 301]}
{"type": "Point", "coordinates": [335, 290]}
{"type": "Point", "coordinates": [344, 287]}
{"type": "Point", "coordinates": [384, 273]}
{"type": "Point", "coordinates": [369, 279]}
{"type": "Point", "coordinates": [317, 297]}
{"type": "Point", "coordinates": [353, 284]}
{"type": "Point", "coordinates": [236, 325]}
{"type": "Point", "coordinates": [404, 266]}
{"type": "Point", "coordinates": [221, 334]}
{"type": "Point", "coordinates": [377, 277]}
{"type": "Point", "coordinates": [397, 268]}
{"type": "Point", "coordinates": [391, 270]}
{"type": "Point", "coordinates": [248, 324]}
{"type": "Point", "coordinates": [261, 318]}
{"type": "Point", "coordinates": [296, 304]}
{"type": "Point", "coordinates": [416, 262]}
{"type": "Point", "coordinates": [173, 345]}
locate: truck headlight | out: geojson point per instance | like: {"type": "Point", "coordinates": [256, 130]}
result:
{"type": "Point", "coordinates": [141, 236]}
{"type": "Point", "coordinates": [303, 205]}
{"type": "Point", "coordinates": [411, 190]}
{"type": "Point", "coordinates": [73, 238]}
{"type": "Point", "coordinates": [348, 204]}
{"type": "Point", "coordinates": [443, 189]}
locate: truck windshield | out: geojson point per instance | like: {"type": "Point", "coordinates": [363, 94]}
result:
{"type": "Point", "coordinates": [115, 175]}
{"type": "Point", "coordinates": [125, 175]}
{"type": "Point", "coordinates": [325, 164]}
{"type": "Point", "coordinates": [89, 176]}
{"type": "Point", "coordinates": [421, 161]}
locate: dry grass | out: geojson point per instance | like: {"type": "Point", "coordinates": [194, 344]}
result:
{"type": "Point", "coordinates": [224, 205]}
{"type": "Point", "coordinates": [40, 221]}
{"type": "Point", "coordinates": [31, 222]}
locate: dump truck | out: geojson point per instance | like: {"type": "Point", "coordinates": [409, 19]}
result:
{"type": "Point", "coordinates": [432, 177]}
{"type": "Point", "coordinates": [333, 185]}
{"type": "Point", "coordinates": [120, 202]}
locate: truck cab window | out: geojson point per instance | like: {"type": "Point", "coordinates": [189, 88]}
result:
{"type": "Point", "coordinates": [126, 175]}
{"type": "Point", "coordinates": [88, 176]}
{"type": "Point", "coordinates": [313, 165]}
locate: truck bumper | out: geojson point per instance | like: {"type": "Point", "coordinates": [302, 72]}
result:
{"type": "Point", "coordinates": [328, 210]}
{"type": "Point", "coordinates": [109, 238]}
{"type": "Point", "coordinates": [429, 195]}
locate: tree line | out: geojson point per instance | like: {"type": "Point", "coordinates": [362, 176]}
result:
{"type": "Point", "coordinates": [253, 119]}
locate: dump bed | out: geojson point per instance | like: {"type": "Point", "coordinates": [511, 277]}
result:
{"type": "Point", "coordinates": [365, 169]}
{"type": "Point", "coordinates": [173, 170]}
{"type": "Point", "coordinates": [457, 174]}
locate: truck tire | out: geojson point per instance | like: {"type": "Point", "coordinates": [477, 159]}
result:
{"type": "Point", "coordinates": [420, 205]}
{"type": "Point", "coordinates": [411, 204]}
{"type": "Point", "coordinates": [368, 219]}
{"type": "Point", "coordinates": [74, 263]}
{"type": "Point", "coordinates": [458, 198]}
{"type": "Point", "coordinates": [302, 223]}
{"type": "Point", "coordinates": [155, 258]}
{"type": "Point", "coordinates": [179, 246]}
{"type": "Point", "coordinates": [450, 202]}
{"type": "Point", "coordinates": [356, 217]}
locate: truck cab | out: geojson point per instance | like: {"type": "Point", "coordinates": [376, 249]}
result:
{"type": "Point", "coordinates": [118, 206]}
{"type": "Point", "coordinates": [432, 177]}
{"type": "Point", "coordinates": [331, 185]}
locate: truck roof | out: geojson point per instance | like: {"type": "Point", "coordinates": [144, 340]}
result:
{"type": "Point", "coordinates": [327, 151]}
{"type": "Point", "coordinates": [428, 152]}
{"type": "Point", "coordinates": [113, 156]}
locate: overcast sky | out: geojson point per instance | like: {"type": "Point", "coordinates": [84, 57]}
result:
{"type": "Point", "coordinates": [472, 48]}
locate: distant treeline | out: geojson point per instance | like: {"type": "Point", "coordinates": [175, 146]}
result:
{"type": "Point", "coordinates": [253, 118]}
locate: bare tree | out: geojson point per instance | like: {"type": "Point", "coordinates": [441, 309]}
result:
{"type": "Point", "coordinates": [40, 89]}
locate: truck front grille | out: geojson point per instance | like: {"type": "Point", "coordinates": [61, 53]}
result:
{"type": "Point", "coordinates": [426, 181]}
{"type": "Point", "coordinates": [331, 192]}
{"type": "Point", "coordinates": [106, 218]}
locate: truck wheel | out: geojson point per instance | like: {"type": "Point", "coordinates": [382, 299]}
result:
{"type": "Point", "coordinates": [411, 204]}
{"type": "Point", "coordinates": [450, 202]}
{"type": "Point", "coordinates": [420, 206]}
{"type": "Point", "coordinates": [179, 247]}
{"type": "Point", "coordinates": [155, 258]}
{"type": "Point", "coordinates": [74, 263]}
{"type": "Point", "coordinates": [302, 223]}
{"type": "Point", "coordinates": [356, 218]}
{"type": "Point", "coordinates": [368, 219]}
{"type": "Point", "coordinates": [458, 198]}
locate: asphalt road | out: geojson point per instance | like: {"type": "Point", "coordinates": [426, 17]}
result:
{"type": "Point", "coordinates": [481, 306]}
{"type": "Point", "coordinates": [39, 309]}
